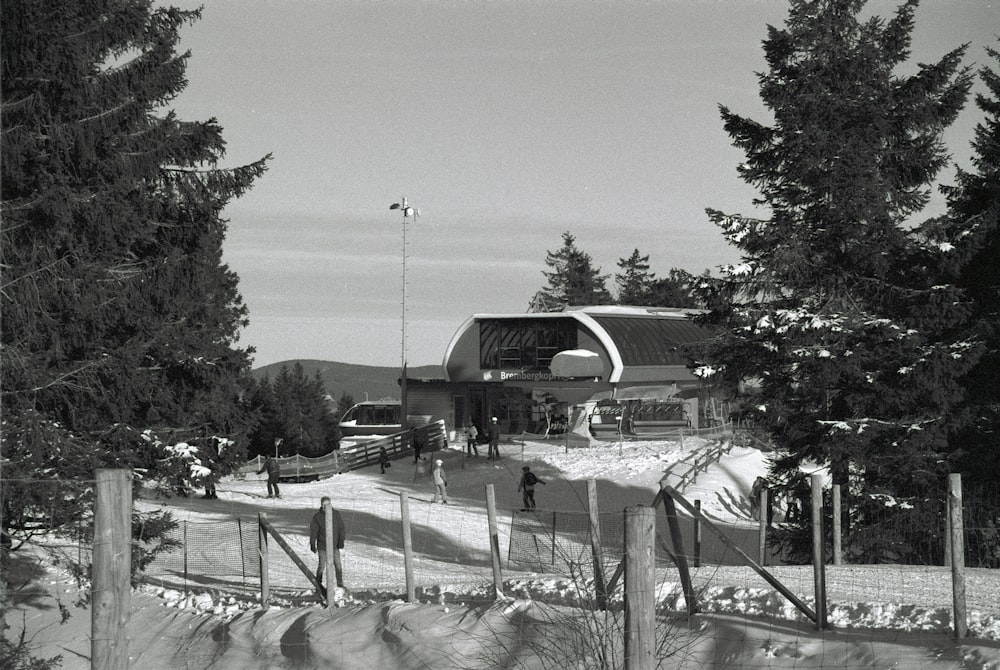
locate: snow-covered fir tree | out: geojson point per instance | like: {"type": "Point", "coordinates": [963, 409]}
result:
{"type": "Point", "coordinates": [835, 326]}
{"type": "Point", "coordinates": [974, 215]}
{"type": "Point", "coordinates": [120, 320]}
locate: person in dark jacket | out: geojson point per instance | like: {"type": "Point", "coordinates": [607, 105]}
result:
{"type": "Point", "coordinates": [527, 487]}
{"type": "Point", "coordinates": [317, 542]}
{"type": "Point", "coordinates": [383, 459]}
{"type": "Point", "coordinates": [273, 474]}
{"type": "Point", "coordinates": [494, 433]}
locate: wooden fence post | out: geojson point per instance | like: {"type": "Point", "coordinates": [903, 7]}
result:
{"type": "Point", "coordinates": [184, 542]}
{"type": "Point", "coordinates": [680, 559]}
{"type": "Point", "coordinates": [818, 548]}
{"type": "Point", "coordinates": [555, 537]}
{"type": "Point", "coordinates": [265, 578]}
{"type": "Point", "coordinates": [838, 554]}
{"type": "Point", "coordinates": [697, 534]}
{"type": "Point", "coordinates": [595, 546]}
{"type": "Point", "coordinates": [111, 571]}
{"type": "Point", "coordinates": [291, 552]}
{"type": "Point", "coordinates": [491, 511]}
{"type": "Point", "coordinates": [947, 531]}
{"type": "Point", "coordinates": [404, 514]}
{"type": "Point", "coordinates": [640, 588]}
{"type": "Point", "coordinates": [957, 553]}
{"type": "Point", "coordinates": [762, 502]}
{"type": "Point", "coordinates": [331, 547]}
{"type": "Point", "coordinates": [667, 491]}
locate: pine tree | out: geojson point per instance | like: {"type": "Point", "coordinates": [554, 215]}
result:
{"type": "Point", "coordinates": [674, 290]}
{"type": "Point", "coordinates": [974, 215]}
{"type": "Point", "coordinates": [295, 411]}
{"type": "Point", "coordinates": [344, 403]}
{"type": "Point", "coordinates": [573, 280]}
{"type": "Point", "coordinates": [638, 286]}
{"type": "Point", "coordinates": [262, 404]}
{"type": "Point", "coordinates": [635, 281]}
{"type": "Point", "coordinates": [834, 316]}
{"type": "Point", "coordinates": [120, 319]}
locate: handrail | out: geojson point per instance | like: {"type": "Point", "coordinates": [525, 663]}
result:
{"type": "Point", "coordinates": [433, 436]}
{"type": "Point", "coordinates": [702, 460]}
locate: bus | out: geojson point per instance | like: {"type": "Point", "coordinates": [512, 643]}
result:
{"type": "Point", "coordinates": [372, 417]}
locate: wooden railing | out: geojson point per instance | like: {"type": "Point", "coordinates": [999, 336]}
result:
{"type": "Point", "coordinates": [432, 436]}
{"type": "Point", "coordinates": [700, 462]}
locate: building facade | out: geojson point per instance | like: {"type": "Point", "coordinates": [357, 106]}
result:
{"type": "Point", "coordinates": [538, 372]}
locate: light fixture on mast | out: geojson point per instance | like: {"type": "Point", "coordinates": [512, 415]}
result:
{"type": "Point", "coordinates": [408, 213]}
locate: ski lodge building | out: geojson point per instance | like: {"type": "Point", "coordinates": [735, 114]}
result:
{"type": "Point", "coordinates": [604, 368]}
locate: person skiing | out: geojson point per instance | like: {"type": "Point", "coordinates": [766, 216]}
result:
{"type": "Point", "coordinates": [273, 474]}
{"type": "Point", "coordinates": [527, 487]}
{"type": "Point", "coordinates": [440, 483]}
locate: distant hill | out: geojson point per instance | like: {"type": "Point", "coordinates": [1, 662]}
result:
{"type": "Point", "coordinates": [355, 380]}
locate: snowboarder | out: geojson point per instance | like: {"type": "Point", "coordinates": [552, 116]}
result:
{"type": "Point", "coordinates": [273, 474]}
{"type": "Point", "coordinates": [527, 487]}
{"type": "Point", "coordinates": [440, 483]}
{"type": "Point", "coordinates": [317, 543]}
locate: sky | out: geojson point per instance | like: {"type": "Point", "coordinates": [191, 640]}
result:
{"type": "Point", "coordinates": [506, 123]}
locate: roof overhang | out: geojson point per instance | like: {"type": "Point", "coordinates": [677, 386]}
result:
{"type": "Point", "coordinates": [576, 363]}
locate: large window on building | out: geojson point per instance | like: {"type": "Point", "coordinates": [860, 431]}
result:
{"type": "Point", "coordinates": [523, 344]}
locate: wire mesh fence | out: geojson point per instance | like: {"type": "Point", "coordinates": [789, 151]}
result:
{"type": "Point", "coordinates": [559, 542]}
{"type": "Point", "coordinates": [226, 551]}
{"type": "Point", "coordinates": [878, 529]}
{"type": "Point", "coordinates": [224, 548]}
{"type": "Point", "coordinates": [221, 555]}
{"type": "Point", "coordinates": [50, 521]}
{"type": "Point", "coordinates": [224, 554]}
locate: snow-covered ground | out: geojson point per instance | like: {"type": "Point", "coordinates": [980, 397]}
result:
{"type": "Point", "coordinates": [882, 616]}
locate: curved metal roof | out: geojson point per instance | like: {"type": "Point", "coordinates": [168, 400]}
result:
{"type": "Point", "coordinates": [632, 336]}
{"type": "Point", "coordinates": [650, 340]}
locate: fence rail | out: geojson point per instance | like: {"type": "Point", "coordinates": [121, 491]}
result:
{"type": "Point", "coordinates": [433, 436]}
{"type": "Point", "coordinates": [555, 543]}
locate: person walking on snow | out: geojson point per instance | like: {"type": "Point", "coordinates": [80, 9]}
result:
{"type": "Point", "coordinates": [210, 483]}
{"type": "Point", "coordinates": [527, 486]}
{"type": "Point", "coordinates": [417, 446]}
{"type": "Point", "coordinates": [471, 434]}
{"type": "Point", "coordinates": [440, 483]}
{"type": "Point", "coordinates": [273, 474]}
{"type": "Point", "coordinates": [494, 433]}
{"type": "Point", "coordinates": [383, 459]}
{"type": "Point", "coordinates": [317, 543]}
